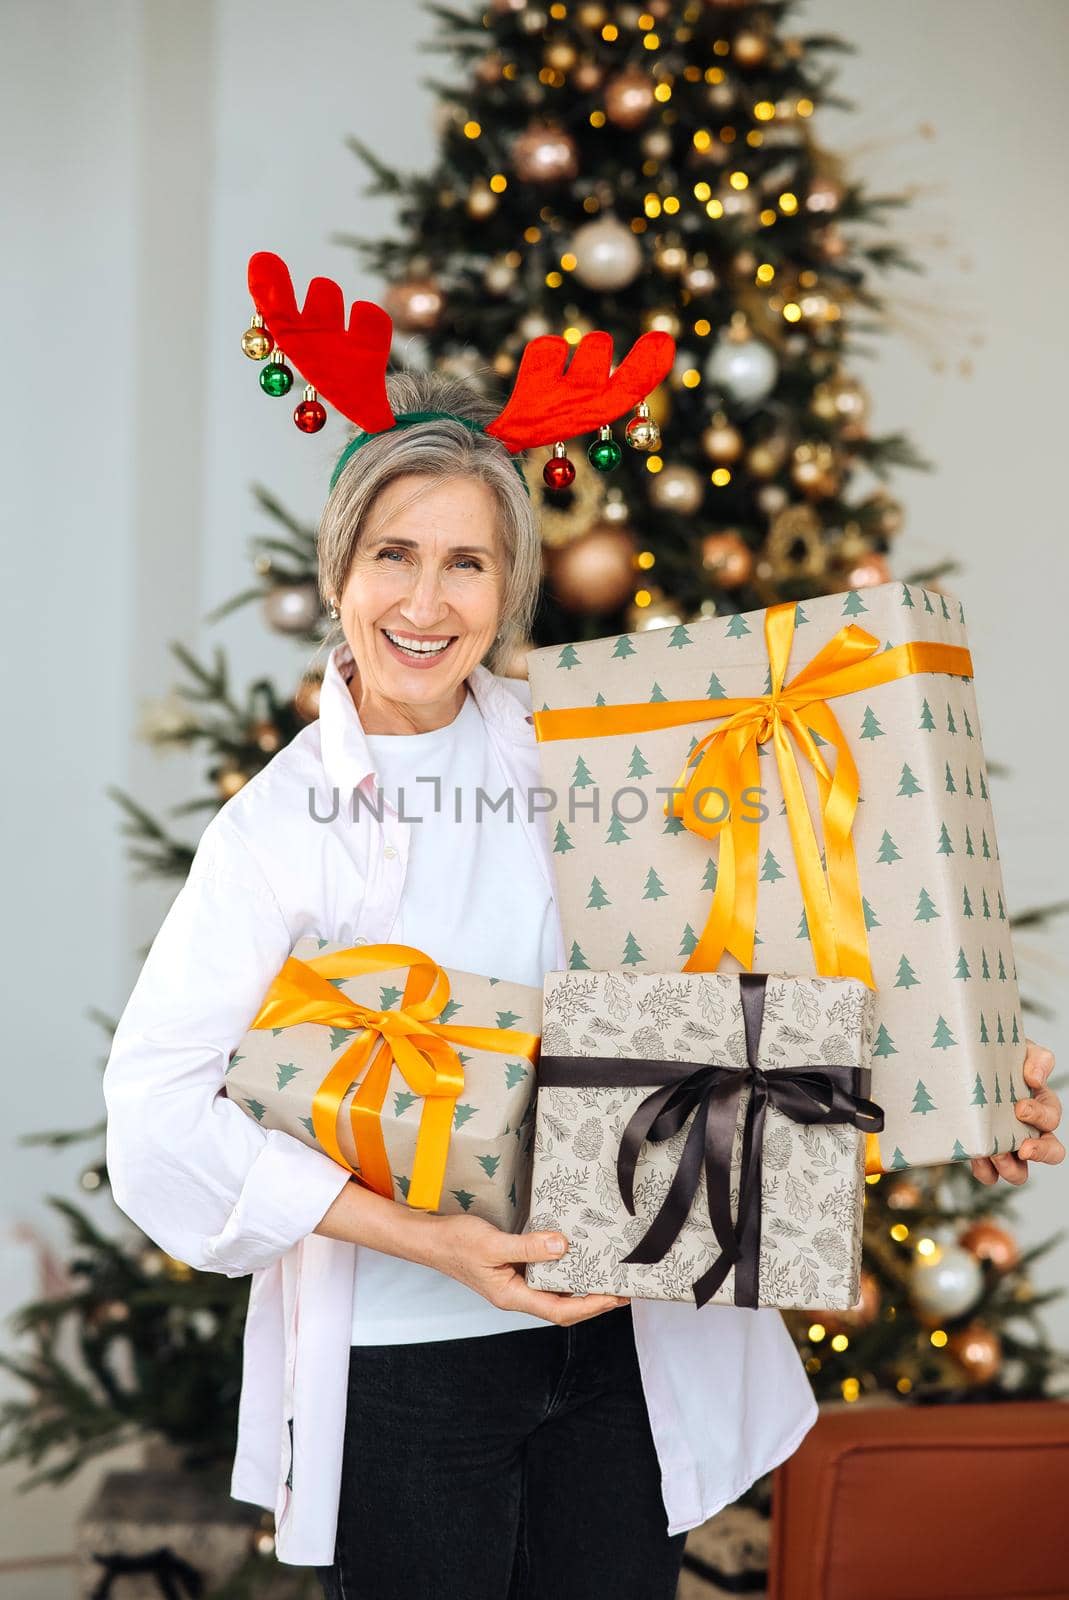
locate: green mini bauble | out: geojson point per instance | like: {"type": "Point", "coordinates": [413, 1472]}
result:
{"type": "Point", "coordinates": [604, 455]}
{"type": "Point", "coordinates": [276, 378]}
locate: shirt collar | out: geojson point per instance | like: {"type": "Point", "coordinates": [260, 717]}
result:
{"type": "Point", "coordinates": [347, 757]}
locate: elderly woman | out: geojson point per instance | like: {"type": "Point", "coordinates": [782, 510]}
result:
{"type": "Point", "coordinates": [419, 1418]}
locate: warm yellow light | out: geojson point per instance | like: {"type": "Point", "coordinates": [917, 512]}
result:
{"type": "Point", "coordinates": [900, 1232]}
{"type": "Point", "coordinates": [597, 119]}
{"type": "Point", "coordinates": [553, 280]}
{"type": "Point", "coordinates": [499, 183]}
{"type": "Point", "coordinates": [703, 327]}
{"type": "Point", "coordinates": [765, 272]}
{"type": "Point", "coordinates": [702, 191]}
{"type": "Point", "coordinates": [652, 205]}
{"type": "Point", "coordinates": [663, 92]}
{"type": "Point", "coordinates": [766, 218]}
{"type": "Point", "coordinates": [572, 335]}
{"type": "Point", "coordinates": [715, 208]}
{"type": "Point", "coordinates": [645, 559]}
{"type": "Point", "coordinates": [652, 41]}
{"type": "Point", "coordinates": [755, 138]}
{"type": "Point", "coordinates": [509, 70]}
{"type": "Point", "coordinates": [804, 107]}
{"type": "Point", "coordinates": [764, 111]}
{"type": "Point", "coordinates": [788, 203]}
{"type": "Point", "coordinates": [816, 1332]}
{"type": "Point", "coordinates": [813, 1363]}
{"type": "Point", "coordinates": [792, 312]}
{"type": "Point", "coordinates": [558, 12]}
{"type": "Point", "coordinates": [720, 476]}
{"type": "Point", "coordinates": [840, 1342]}
{"type": "Point", "coordinates": [691, 378]}
{"type": "Point", "coordinates": [671, 204]}
{"type": "Point", "coordinates": [568, 261]}
{"type": "Point", "coordinates": [873, 1177]}
{"type": "Point", "coordinates": [642, 597]}
{"type": "Point", "coordinates": [739, 180]}
{"type": "Point", "coordinates": [610, 33]}
{"type": "Point", "coordinates": [654, 464]}
{"type": "Point", "coordinates": [721, 47]}
{"type": "Point", "coordinates": [702, 139]}
{"type": "Point", "coordinates": [472, 130]}
{"type": "Point", "coordinates": [926, 1247]}
{"type": "Point", "coordinates": [938, 1337]}
{"type": "Point", "coordinates": [532, 235]}
{"type": "Point", "coordinates": [850, 1388]}
{"type": "Point", "coordinates": [904, 1385]}
{"type": "Point", "coordinates": [714, 74]}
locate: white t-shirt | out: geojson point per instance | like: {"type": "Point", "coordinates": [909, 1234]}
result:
{"type": "Point", "coordinates": [475, 898]}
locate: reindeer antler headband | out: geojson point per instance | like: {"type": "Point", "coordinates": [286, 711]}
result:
{"type": "Point", "coordinates": [347, 365]}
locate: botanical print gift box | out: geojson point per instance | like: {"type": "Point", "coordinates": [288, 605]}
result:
{"type": "Point", "coordinates": [418, 1078]}
{"type": "Point", "coordinates": [702, 1136]}
{"type": "Point", "coordinates": [801, 789]}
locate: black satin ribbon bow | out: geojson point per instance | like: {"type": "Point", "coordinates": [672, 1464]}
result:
{"type": "Point", "coordinates": [824, 1093]}
{"type": "Point", "coordinates": [169, 1570]}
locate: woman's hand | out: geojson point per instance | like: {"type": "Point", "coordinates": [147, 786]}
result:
{"type": "Point", "coordinates": [1041, 1113]}
{"type": "Point", "coordinates": [474, 1252]}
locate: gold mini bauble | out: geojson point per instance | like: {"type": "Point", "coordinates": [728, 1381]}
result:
{"type": "Point", "coordinates": [765, 458]}
{"type": "Point", "coordinates": [642, 432]}
{"type": "Point", "coordinates": [677, 488]}
{"type": "Point", "coordinates": [629, 98]}
{"type": "Point", "coordinates": [795, 547]}
{"type": "Point", "coordinates": [670, 256]}
{"type": "Point", "coordinates": [415, 305]}
{"type": "Point", "coordinates": [727, 559]}
{"type": "Point", "coordinates": [749, 48]}
{"type": "Point", "coordinates": [843, 400]}
{"type": "Point", "coordinates": [256, 342]}
{"type": "Point", "coordinates": [813, 468]}
{"type": "Point", "coordinates": [545, 153]}
{"type": "Point", "coordinates": [721, 440]}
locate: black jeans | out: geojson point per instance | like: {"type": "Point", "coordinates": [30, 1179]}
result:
{"type": "Point", "coordinates": [510, 1466]}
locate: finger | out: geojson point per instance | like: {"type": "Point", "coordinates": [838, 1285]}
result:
{"type": "Point", "coordinates": [984, 1169]}
{"type": "Point", "coordinates": [1047, 1149]}
{"type": "Point", "coordinates": [1042, 1112]}
{"type": "Point", "coordinates": [560, 1308]}
{"type": "Point", "coordinates": [1011, 1167]}
{"type": "Point", "coordinates": [1038, 1064]}
{"type": "Point", "coordinates": [531, 1247]}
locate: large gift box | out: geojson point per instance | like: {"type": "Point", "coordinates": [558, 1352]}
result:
{"type": "Point", "coordinates": [418, 1078]}
{"type": "Point", "coordinates": [700, 1135]}
{"type": "Point", "coordinates": [803, 790]}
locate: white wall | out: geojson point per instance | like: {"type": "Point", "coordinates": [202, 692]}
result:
{"type": "Point", "coordinates": [149, 148]}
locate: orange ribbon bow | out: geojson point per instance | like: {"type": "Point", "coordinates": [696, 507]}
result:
{"type": "Point", "coordinates": [726, 761]}
{"type": "Point", "coordinates": [408, 1036]}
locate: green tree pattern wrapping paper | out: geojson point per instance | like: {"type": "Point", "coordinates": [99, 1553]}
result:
{"type": "Point", "coordinates": [813, 1175]}
{"type": "Point", "coordinates": [274, 1073]}
{"type": "Point", "coordinates": [635, 894]}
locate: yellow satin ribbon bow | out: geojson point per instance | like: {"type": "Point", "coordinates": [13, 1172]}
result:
{"type": "Point", "coordinates": [727, 760]}
{"type": "Point", "coordinates": [409, 1037]}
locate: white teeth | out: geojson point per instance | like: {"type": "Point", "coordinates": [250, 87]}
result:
{"type": "Point", "coordinates": [417, 649]}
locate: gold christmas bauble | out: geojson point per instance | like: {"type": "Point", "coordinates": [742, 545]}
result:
{"type": "Point", "coordinates": [642, 433]}
{"type": "Point", "coordinates": [749, 48]}
{"type": "Point", "coordinates": [677, 488]}
{"type": "Point", "coordinates": [545, 153]}
{"type": "Point", "coordinates": [670, 257]}
{"type": "Point", "coordinates": [560, 55]}
{"type": "Point", "coordinates": [629, 97]}
{"type": "Point", "coordinates": [988, 1242]}
{"type": "Point", "coordinates": [727, 559]}
{"type": "Point", "coordinates": [813, 468]}
{"type": "Point", "coordinates": [722, 441]}
{"type": "Point", "coordinates": [977, 1349]}
{"type": "Point", "coordinates": [306, 698]}
{"type": "Point", "coordinates": [256, 342]}
{"type": "Point", "coordinates": [595, 573]}
{"type": "Point", "coordinates": [414, 304]}
{"type": "Point", "coordinates": [795, 546]}
{"type": "Point", "coordinates": [765, 458]}
{"type": "Point", "coordinates": [843, 400]}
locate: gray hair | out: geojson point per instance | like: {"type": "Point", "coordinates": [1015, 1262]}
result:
{"type": "Point", "coordinates": [435, 450]}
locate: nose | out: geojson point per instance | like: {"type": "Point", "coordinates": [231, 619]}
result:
{"type": "Point", "coordinates": [423, 605]}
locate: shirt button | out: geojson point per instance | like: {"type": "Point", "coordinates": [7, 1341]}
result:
{"type": "Point", "coordinates": [390, 851]}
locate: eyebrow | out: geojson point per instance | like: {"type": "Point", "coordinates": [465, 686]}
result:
{"type": "Point", "coordinates": [457, 549]}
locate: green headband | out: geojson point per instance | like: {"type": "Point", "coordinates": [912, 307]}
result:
{"type": "Point", "coordinates": [408, 419]}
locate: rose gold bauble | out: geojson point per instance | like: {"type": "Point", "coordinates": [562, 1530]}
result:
{"type": "Point", "coordinates": [722, 441]}
{"type": "Point", "coordinates": [677, 488]}
{"type": "Point", "coordinates": [988, 1242]}
{"type": "Point", "coordinates": [415, 304]}
{"type": "Point", "coordinates": [306, 698]}
{"type": "Point", "coordinates": [977, 1349]}
{"type": "Point", "coordinates": [629, 98]}
{"type": "Point", "coordinates": [904, 1194]}
{"type": "Point", "coordinates": [545, 153]}
{"type": "Point", "coordinates": [866, 574]}
{"type": "Point", "coordinates": [861, 1316]}
{"type": "Point", "coordinates": [596, 572]}
{"type": "Point", "coordinates": [748, 48]}
{"type": "Point", "coordinates": [727, 559]}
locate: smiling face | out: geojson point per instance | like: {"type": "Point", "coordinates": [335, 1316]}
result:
{"type": "Point", "coordinates": [422, 601]}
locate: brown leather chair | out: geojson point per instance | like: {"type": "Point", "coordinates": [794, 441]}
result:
{"type": "Point", "coordinates": [947, 1502]}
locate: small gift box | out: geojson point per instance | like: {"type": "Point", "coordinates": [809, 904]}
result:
{"type": "Point", "coordinates": [418, 1079]}
{"type": "Point", "coordinates": [702, 1136]}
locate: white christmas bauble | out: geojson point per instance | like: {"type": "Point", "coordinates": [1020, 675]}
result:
{"type": "Point", "coordinates": [607, 255]}
{"type": "Point", "coordinates": [744, 370]}
{"type": "Point", "coordinates": [946, 1283]}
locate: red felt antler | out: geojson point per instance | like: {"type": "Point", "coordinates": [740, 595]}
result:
{"type": "Point", "coordinates": [547, 403]}
{"type": "Point", "coordinates": [347, 365]}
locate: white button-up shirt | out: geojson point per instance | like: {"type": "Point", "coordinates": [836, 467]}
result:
{"type": "Point", "coordinates": [727, 1395]}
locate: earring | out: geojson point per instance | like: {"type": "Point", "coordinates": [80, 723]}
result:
{"type": "Point", "coordinates": [332, 611]}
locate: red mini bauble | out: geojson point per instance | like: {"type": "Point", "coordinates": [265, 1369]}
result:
{"type": "Point", "coordinates": [310, 416]}
{"type": "Point", "coordinates": [558, 473]}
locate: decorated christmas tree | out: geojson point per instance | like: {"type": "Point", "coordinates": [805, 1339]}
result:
{"type": "Point", "coordinates": [631, 168]}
